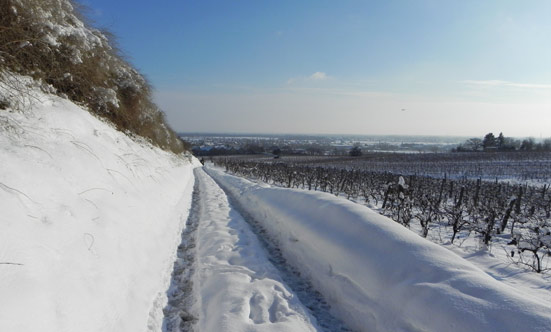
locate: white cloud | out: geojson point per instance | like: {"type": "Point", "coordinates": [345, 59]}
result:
{"type": "Point", "coordinates": [318, 76]}
{"type": "Point", "coordinates": [498, 83]}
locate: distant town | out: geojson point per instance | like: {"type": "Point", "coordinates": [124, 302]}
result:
{"type": "Point", "coordinates": [228, 144]}
{"type": "Point", "coordinates": [339, 145]}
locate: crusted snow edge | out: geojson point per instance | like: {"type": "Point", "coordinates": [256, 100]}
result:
{"type": "Point", "coordinates": [156, 314]}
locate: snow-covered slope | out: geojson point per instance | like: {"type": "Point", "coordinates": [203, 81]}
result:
{"type": "Point", "coordinates": [379, 276]}
{"type": "Point", "coordinates": [89, 224]}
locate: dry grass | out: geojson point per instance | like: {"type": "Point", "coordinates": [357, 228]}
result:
{"type": "Point", "coordinates": [45, 39]}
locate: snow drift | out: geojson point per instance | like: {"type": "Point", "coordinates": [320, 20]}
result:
{"type": "Point", "coordinates": [377, 275]}
{"type": "Point", "coordinates": [90, 221]}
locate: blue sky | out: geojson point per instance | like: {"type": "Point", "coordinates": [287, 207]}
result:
{"type": "Point", "coordinates": [454, 67]}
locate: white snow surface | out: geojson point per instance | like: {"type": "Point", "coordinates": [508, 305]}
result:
{"type": "Point", "coordinates": [376, 274]}
{"type": "Point", "coordinates": [237, 288]}
{"type": "Point", "coordinates": [90, 222]}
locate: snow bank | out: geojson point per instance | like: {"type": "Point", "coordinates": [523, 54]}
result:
{"type": "Point", "coordinates": [377, 275]}
{"type": "Point", "coordinates": [90, 222]}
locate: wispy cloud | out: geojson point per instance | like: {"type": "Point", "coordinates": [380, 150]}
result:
{"type": "Point", "coordinates": [317, 76]}
{"type": "Point", "coordinates": [311, 91]}
{"type": "Point", "coordinates": [498, 83]}
{"type": "Point", "coordinates": [291, 80]}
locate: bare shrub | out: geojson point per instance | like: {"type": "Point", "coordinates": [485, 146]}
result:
{"type": "Point", "coordinates": [49, 41]}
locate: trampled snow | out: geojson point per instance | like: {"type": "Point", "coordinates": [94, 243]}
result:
{"type": "Point", "coordinates": [379, 276]}
{"type": "Point", "coordinates": [90, 222]}
{"type": "Point", "coordinates": [238, 289]}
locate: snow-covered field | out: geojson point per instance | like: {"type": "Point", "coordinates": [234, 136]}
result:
{"type": "Point", "coordinates": [90, 222]}
{"type": "Point", "coordinates": [379, 276]}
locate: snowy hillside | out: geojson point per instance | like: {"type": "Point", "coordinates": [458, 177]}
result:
{"type": "Point", "coordinates": [90, 221]}
{"type": "Point", "coordinates": [101, 232]}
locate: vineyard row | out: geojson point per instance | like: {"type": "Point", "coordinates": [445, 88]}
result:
{"type": "Point", "coordinates": [465, 207]}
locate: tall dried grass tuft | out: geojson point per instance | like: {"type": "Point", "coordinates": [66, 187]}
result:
{"type": "Point", "coordinates": [49, 41]}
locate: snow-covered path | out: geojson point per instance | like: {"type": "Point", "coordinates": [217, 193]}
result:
{"type": "Point", "coordinates": [235, 287]}
{"type": "Point", "coordinates": [178, 314]}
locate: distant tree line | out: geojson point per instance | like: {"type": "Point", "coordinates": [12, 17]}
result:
{"type": "Point", "coordinates": [259, 149]}
{"type": "Point", "coordinates": [492, 143]}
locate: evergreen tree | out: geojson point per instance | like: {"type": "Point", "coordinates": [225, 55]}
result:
{"type": "Point", "coordinates": [500, 143]}
{"type": "Point", "coordinates": [489, 141]}
{"type": "Point", "coordinates": [356, 151]}
{"type": "Point", "coordinates": [528, 144]}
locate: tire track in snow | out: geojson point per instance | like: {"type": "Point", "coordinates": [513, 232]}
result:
{"type": "Point", "coordinates": [312, 299]}
{"type": "Point", "coordinates": [237, 287]}
{"type": "Point", "coordinates": [178, 315]}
